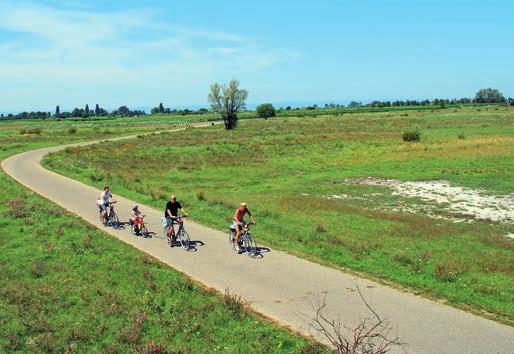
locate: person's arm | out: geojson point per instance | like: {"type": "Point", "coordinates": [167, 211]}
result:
{"type": "Point", "coordinates": [183, 211]}
{"type": "Point", "coordinates": [251, 217]}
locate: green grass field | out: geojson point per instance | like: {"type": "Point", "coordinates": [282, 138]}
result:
{"type": "Point", "coordinates": [107, 124]}
{"type": "Point", "coordinates": [65, 286]}
{"type": "Point", "coordinates": [285, 167]}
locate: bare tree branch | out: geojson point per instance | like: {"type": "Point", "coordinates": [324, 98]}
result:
{"type": "Point", "coordinates": [370, 336]}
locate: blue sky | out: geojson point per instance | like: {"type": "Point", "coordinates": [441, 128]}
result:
{"type": "Point", "coordinates": [140, 53]}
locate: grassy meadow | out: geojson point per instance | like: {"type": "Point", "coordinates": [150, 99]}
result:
{"type": "Point", "coordinates": [285, 168]}
{"type": "Point", "coordinates": [66, 286]}
{"type": "Point", "coordinates": [110, 124]}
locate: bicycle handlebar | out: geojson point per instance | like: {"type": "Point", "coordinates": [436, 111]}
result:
{"type": "Point", "coordinates": [178, 216]}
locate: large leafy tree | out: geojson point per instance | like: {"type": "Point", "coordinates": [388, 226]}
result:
{"type": "Point", "coordinates": [266, 110]}
{"type": "Point", "coordinates": [228, 100]}
{"type": "Point", "coordinates": [123, 111]}
{"type": "Point", "coordinates": [489, 95]}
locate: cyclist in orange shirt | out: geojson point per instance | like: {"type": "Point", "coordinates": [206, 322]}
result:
{"type": "Point", "coordinates": [239, 221]}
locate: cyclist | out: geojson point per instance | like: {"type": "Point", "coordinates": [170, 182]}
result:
{"type": "Point", "coordinates": [171, 213]}
{"type": "Point", "coordinates": [137, 219]}
{"type": "Point", "coordinates": [103, 202]}
{"type": "Point", "coordinates": [239, 222]}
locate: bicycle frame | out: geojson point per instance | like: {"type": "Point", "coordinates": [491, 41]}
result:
{"type": "Point", "coordinates": [179, 235]}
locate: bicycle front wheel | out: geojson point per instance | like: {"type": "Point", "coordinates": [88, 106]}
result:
{"type": "Point", "coordinates": [183, 237]}
{"type": "Point", "coordinates": [250, 245]}
{"type": "Point", "coordinates": [144, 231]}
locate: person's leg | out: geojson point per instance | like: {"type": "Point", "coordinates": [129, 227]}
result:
{"type": "Point", "coordinates": [238, 234]}
{"type": "Point", "coordinates": [139, 223]}
{"type": "Point", "coordinates": [104, 212]}
{"type": "Point", "coordinates": [173, 234]}
{"type": "Point", "coordinates": [168, 229]}
{"type": "Point", "coordinates": [134, 225]}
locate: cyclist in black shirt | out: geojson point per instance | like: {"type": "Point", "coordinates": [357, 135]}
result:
{"type": "Point", "coordinates": [171, 213]}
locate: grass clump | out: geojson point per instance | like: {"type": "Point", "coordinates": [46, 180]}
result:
{"type": "Point", "coordinates": [200, 195]}
{"type": "Point", "coordinates": [320, 228]}
{"type": "Point", "coordinates": [35, 131]}
{"type": "Point", "coordinates": [412, 136]}
{"type": "Point", "coordinates": [448, 271]}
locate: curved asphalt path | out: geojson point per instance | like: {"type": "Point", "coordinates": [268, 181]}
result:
{"type": "Point", "coordinates": [278, 285]}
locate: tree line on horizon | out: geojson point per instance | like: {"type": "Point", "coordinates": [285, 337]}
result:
{"type": "Point", "coordinates": [266, 110]}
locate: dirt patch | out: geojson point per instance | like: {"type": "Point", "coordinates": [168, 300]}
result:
{"type": "Point", "coordinates": [440, 199]}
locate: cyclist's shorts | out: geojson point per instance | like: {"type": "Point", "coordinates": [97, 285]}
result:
{"type": "Point", "coordinates": [102, 206]}
{"type": "Point", "coordinates": [137, 221]}
{"type": "Point", "coordinates": [171, 221]}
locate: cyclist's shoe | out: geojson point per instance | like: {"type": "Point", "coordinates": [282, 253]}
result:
{"type": "Point", "coordinates": [239, 250]}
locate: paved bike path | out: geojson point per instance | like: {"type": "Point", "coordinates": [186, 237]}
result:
{"type": "Point", "coordinates": [278, 285]}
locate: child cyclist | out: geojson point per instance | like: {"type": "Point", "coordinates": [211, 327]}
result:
{"type": "Point", "coordinates": [137, 219]}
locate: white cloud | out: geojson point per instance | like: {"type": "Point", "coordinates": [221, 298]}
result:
{"type": "Point", "coordinates": [51, 50]}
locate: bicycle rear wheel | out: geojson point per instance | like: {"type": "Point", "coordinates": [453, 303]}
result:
{"type": "Point", "coordinates": [183, 237]}
{"type": "Point", "coordinates": [250, 245]}
{"type": "Point", "coordinates": [231, 239]}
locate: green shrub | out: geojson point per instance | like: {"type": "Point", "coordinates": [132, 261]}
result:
{"type": "Point", "coordinates": [461, 136]}
{"type": "Point", "coordinates": [72, 130]}
{"type": "Point", "coordinates": [412, 136]}
{"type": "Point", "coordinates": [266, 110]}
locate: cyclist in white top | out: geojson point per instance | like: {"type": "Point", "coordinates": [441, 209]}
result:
{"type": "Point", "coordinates": [103, 202]}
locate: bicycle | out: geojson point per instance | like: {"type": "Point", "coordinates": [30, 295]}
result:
{"type": "Point", "coordinates": [245, 238]}
{"type": "Point", "coordinates": [112, 218]}
{"type": "Point", "coordinates": [143, 229]}
{"type": "Point", "coordinates": [181, 234]}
